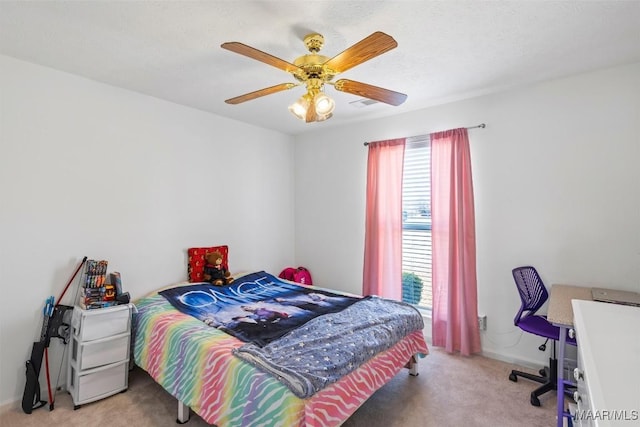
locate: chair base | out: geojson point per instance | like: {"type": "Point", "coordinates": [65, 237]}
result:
{"type": "Point", "coordinates": [549, 380]}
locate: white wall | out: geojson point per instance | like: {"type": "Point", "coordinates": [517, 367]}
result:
{"type": "Point", "coordinates": [89, 169]}
{"type": "Point", "coordinates": [557, 186]}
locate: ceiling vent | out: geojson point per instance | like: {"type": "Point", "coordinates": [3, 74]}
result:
{"type": "Point", "coordinates": [361, 103]}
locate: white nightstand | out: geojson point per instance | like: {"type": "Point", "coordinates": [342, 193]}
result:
{"type": "Point", "coordinates": [98, 353]}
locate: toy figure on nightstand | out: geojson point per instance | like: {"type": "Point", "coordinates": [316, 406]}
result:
{"type": "Point", "coordinates": [214, 272]}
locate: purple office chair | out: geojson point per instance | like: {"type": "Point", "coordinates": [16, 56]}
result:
{"type": "Point", "coordinates": [533, 295]}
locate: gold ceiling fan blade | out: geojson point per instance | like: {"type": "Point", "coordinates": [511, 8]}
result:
{"type": "Point", "coordinates": [261, 92]}
{"type": "Point", "coordinates": [366, 49]}
{"type": "Point", "coordinates": [261, 56]}
{"type": "Point", "coordinates": [372, 92]}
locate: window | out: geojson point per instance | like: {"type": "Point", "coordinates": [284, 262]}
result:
{"type": "Point", "coordinates": [416, 223]}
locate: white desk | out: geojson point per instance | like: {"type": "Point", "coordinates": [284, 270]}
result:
{"type": "Point", "coordinates": [609, 351]}
{"type": "Point", "coordinates": [560, 313]}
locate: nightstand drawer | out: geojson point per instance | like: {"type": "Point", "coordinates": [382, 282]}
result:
{"type": "Point", "coordinates": [94, 385]}
{"type": "Point", "coordinates": [89, 325]}
{"type": "Point", "coordinates": [100, 352]}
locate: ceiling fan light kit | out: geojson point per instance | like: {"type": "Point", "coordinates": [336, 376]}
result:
{"type": "Point", "coordinates": [314, 70]}
{"type": "Point", "coordinates": [323, 107]}
{"type": "Point", "coordinates": [315, 105]}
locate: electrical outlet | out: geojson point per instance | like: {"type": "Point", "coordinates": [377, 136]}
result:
{"type": "Point", "coordinates": [482, 322]}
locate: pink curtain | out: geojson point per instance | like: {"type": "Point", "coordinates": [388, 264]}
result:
{"type": "Point", "coordinates": [455, 307]}
{"type": "Point", "coordinates": [383, 223]}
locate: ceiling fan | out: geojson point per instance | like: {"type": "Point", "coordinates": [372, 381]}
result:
{"type": "Point", "coordinates": [315, 70]}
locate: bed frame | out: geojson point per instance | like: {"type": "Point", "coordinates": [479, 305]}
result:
{"type": "Point", "coordinates": [184, 413]}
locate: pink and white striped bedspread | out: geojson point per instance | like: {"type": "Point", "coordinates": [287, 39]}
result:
{"type": "Point", "coordinates": [194, 363]}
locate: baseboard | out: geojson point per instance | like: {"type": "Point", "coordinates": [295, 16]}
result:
{"type": "Point", "coordinates": [527, 363]}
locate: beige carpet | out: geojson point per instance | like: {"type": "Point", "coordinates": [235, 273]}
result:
{"type": "Point", "coordinates": [450, 391]}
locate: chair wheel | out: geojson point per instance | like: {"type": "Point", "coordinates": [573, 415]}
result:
{"type": "Point", "coordinates": [513, 377]}
{"type": "Point", "coordinates": [534, 400]}
{"type": "Point", "coordinates": [543, 372]}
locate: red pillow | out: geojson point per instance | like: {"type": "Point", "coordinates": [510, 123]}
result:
{"type": "Point", "coordinates": [197, 262]}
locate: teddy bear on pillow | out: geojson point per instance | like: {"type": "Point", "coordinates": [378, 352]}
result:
{"type": "Point", "coordinates": [214, 272]}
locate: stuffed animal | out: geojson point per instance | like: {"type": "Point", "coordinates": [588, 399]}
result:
{"type": "Point", "coordinates": [214, 271]}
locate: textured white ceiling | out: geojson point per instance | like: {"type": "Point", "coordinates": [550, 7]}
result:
{"type": "Point", "coordinates": [447, 50]}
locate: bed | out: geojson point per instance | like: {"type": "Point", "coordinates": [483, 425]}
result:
{"type": "Point", "coordinates": [200, 366]}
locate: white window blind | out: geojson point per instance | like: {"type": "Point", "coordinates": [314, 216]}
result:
{"type": "Point", "coordinates": [416, 223]}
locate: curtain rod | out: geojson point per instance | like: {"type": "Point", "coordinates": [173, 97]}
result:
{"type": "Point", "coordinates": [481, 125]}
